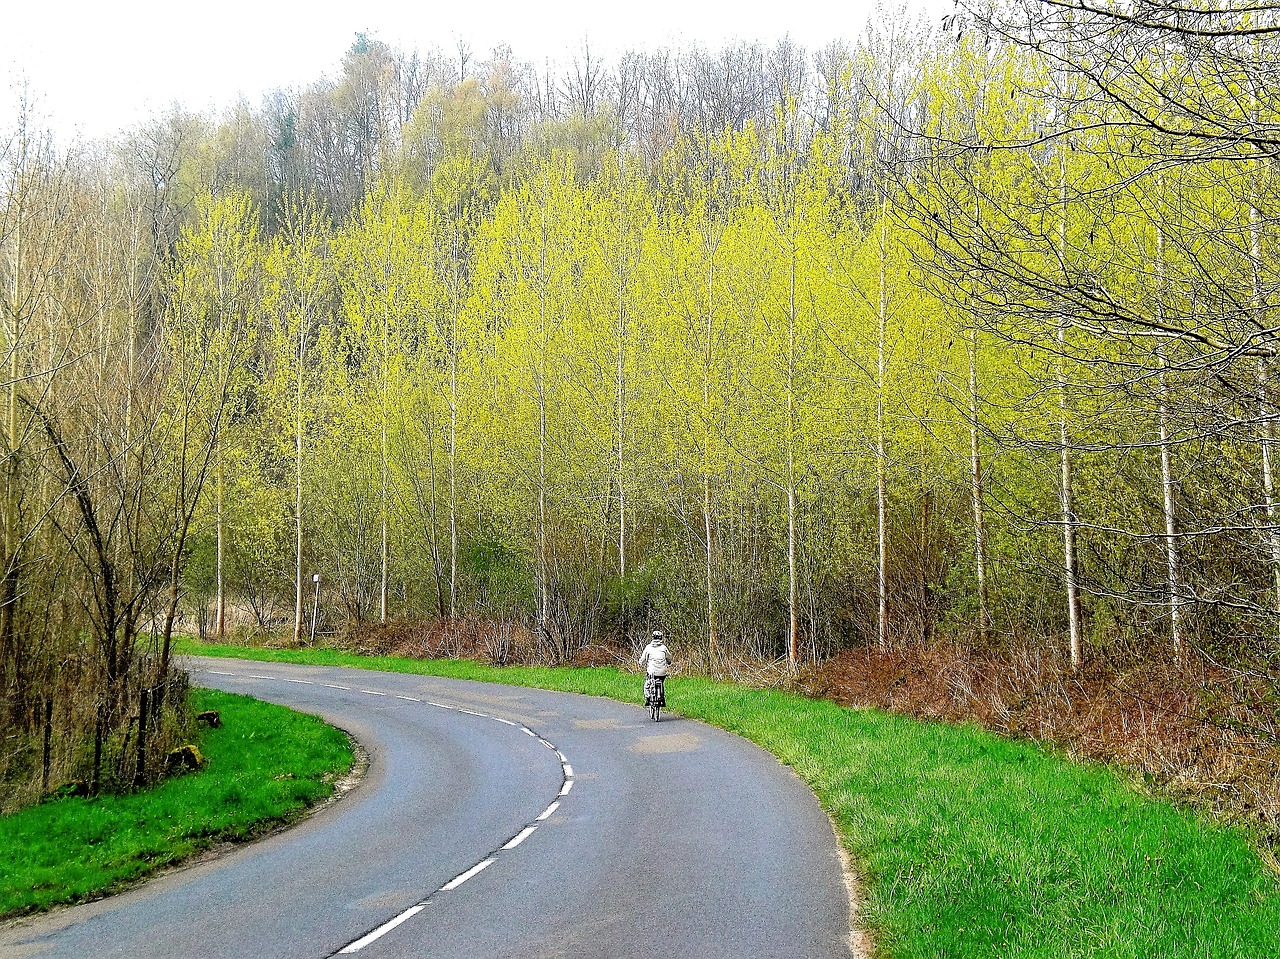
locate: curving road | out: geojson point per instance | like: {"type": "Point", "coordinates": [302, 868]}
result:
{"type": "Point", "coordinates": [496, 821]}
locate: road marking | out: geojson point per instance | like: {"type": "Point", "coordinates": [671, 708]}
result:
{"type": "Point", "coordinates": [474, 870]}
{"type": "Point", "coordinates": [524, 834]}
{"type": "Point", "coordinates": [253, 676]}
{"type": "Point", "coordinates": [218, 672]}
{"type": "Point", "coordinates": [485, 863]}
{"type": "Point", "coordinates": [383, 929]}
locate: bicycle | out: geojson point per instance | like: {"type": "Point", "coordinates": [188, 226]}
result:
{"type": "Point", "coordinates": [655, 695]}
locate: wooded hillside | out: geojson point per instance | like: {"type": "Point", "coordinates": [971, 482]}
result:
{"type": "Point", "coordinates": [963, 331]}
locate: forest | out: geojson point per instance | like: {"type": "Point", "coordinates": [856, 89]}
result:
{"type": "Point", "coordinates": [957, 333]}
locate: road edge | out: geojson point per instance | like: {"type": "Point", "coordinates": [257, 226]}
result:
{"type": "Point", "coordinates": [342, 787]}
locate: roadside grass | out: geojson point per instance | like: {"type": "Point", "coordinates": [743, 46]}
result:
{"type": "Point", "coordinates": [263, 767]}
{"type": "Point", "coordinates": [968, 845]}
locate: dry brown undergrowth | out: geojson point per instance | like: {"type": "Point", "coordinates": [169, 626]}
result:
{"type": "Point", "coordinates": [1204, 734]}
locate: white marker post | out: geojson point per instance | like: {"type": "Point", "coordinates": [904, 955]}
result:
{"type": "Point", "coordinates": [315, 607]}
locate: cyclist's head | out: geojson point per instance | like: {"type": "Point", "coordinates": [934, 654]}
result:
{"type": "Point", "coordinates": [657, 635]}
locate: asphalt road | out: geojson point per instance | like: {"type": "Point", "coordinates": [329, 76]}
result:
{"type": "Point", "coordinates": [496, 821]}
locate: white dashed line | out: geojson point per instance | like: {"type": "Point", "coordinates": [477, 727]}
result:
{"type": "Point", "coordinates": [524, 834]}
{"type": "Point", "coordinates": [479, 867]}
{"type": "Point", "coordinates": [383, 929]}
{"type": "Point", "coordinates": [474, 870]}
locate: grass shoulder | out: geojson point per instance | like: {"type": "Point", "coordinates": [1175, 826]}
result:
{"type": "Point", "coordinates": [969, 845]}
{"type": "Point", "coordinates": [263, 767]}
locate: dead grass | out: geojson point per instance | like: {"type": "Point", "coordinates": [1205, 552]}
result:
{"type": "Point", "coordinates": [494, 642]}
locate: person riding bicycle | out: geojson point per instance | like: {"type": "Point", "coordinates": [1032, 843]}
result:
{"type": "Point", "coordinates": [656, 659]}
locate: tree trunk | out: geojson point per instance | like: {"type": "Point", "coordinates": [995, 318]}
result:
{"type": "Point", "coordinates": [1170, 520]}
{"type": "Point", "coordinates": [1166, 465]}
{"type": "Point", "coordinates": [975, 459]}
{"type": "Point", "coordinates": [220, 601]}
{"type": "Point", "coordinates": [544, 564]}
{"type": "Point", "coordinates": [12, 538]}
{"type": "Point", "coordinates": [453, 452]}
{"type": "Point", "coordinates": [1070, 574]}
{"type": "Point", "coordinates": [793, 607]}
{"type": "Point", "coordinates": [976, 495]}
{"type": "Point", "coordinates": [882, 495]}
{"type": "Point", "coordinates": [712, 643]}
{"type": "Point", "coordinates": [382, 579]}
{"type": "Point", "coordinates": [1266, 414]}
{"type": "Point", "coordinates": [297, 503]}
{"type": "Point", "coordinates": [622, 428]}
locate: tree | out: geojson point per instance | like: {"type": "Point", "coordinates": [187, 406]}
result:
{"type": "Point", "coordinates": [297, 291]}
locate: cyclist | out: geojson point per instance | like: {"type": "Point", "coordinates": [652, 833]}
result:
{"type": "Point", "coordinates": [656, 659]}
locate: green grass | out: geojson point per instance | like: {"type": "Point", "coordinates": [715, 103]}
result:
{"type": "Point", "coordinates": [264, 766]}
{"type": "Point", "coordinates": [969, 845]}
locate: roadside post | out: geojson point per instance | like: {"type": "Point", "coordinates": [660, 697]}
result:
{"type": "Point", "coordinates": [315, 607]}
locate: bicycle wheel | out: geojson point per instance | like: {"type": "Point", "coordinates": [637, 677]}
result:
{"type": "Point", "coordinates": [654, 711]}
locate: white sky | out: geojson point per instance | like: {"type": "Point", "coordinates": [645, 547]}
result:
{"type": "Point", "coordinates": [97, 66]}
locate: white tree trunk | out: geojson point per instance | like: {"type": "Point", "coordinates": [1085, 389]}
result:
{"type": "Point", "coordinates": [1266, 414]}
{"type": "Point", "coordinates": [453, 457]}
{"type": "Point", "coordinates": [976, 495]}
{"type": "Point", "coordinates": [220, 600]}
{"type": "Point", "coordinates": [1070, 574]}
{"type": "Point", "coordinates": [382, 582]}
{"type": "Point", "coordinates": [1166, 467]}
{"type": "Point", "coordinates": [882, 493]}
{"type": "Point", "coordinates": [793, 638]}
{"type": "Point", "coordinates": [1170, 520]}
{"type": "Point", "coordinates": [544, 564]}
{"type": "Point", "coordinates": [706, 466]}
{"type": "Point", "coordinates": [622, 427]}
{"type": "Point", "coordinates": [297, 502]}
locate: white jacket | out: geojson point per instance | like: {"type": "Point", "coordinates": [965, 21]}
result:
{"type": "Point", "coordinates": [658, 659]}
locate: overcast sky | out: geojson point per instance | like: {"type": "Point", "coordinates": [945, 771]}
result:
{"type": "Point", "coordinates": [98, 67]}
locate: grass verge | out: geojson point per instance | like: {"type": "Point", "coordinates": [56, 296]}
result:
{"type": "Point", "coordinates": [264, 766]}
{"type": "Point", "coordinates": [969, 845]}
